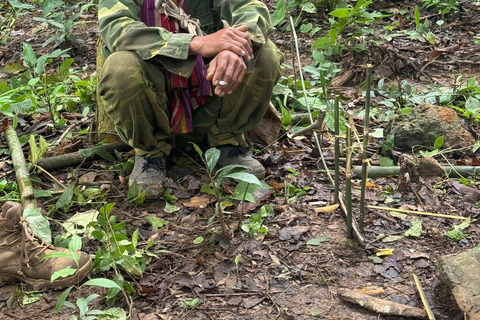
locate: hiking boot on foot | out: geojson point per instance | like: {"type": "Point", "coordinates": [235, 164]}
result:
{"type": "Point", "coordinates": [149, 174]}
{"type": "Point", "coordinates": [236, 155]}
{"type": "Point", "coordinates": [21, 254]}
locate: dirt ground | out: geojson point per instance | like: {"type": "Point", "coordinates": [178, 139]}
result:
{"type": "Point", "coordinates": [279, 275]}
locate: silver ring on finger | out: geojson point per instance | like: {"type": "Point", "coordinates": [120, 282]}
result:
{"type": "Point", "coordinates": [222, 83]}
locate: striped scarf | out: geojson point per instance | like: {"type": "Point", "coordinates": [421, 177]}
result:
{"type": "Point", "coordinates": [185, 94]}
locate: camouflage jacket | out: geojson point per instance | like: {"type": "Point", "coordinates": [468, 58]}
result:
{"type": "Point", "coordinates": [122, 30]}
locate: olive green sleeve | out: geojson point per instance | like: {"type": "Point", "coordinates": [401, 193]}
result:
{"type": "Point", "coordinates": [122, 30]}
{"type": "Point", "coordinates": [252, 13]}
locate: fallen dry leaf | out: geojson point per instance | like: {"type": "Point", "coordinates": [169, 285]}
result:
{"type": "Point", "coordinates": [327, 209]}
{"type": "Point", "coordinates": [197, 202]}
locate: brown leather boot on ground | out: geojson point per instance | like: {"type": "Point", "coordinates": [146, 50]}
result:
{"type": "Point", "coordinates": [21, 254]}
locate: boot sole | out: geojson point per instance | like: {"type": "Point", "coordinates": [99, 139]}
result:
{"type": "Point", "coordinates": [43, 284]}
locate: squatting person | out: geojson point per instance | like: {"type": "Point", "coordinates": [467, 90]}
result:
{"type": "Point", "coordinates": [189, 70]}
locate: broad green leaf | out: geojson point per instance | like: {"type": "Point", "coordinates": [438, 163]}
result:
{"type": "Point", "coordinates": [156, 222]}
{"type": "Point", "coordinates": [286, 118]}
{"type": "Point", "coordinates": [135, 239]}
{"type": "Point", "coordinates": [208, 189]}
{"type": "Point", "coordinates": [304, 28]}
{"type": "Point", "coordinates": [430, 37]}
{"type": "Point", "coordinates": [75, 244]}
{"type": "Point", "coordinates": [245, 177]}
{"type": "Point", "coordinates": [475, 147]}
{"type": "Point", "coordinates": [416, 228]}
{"type": "Point", "coordinates": [14, 67]}
{"type": "Point", "coordinates": [61, 299]}
{"type": "Point", "coordinates": [31, 298]}
{"type": "Point", "coordinates": [211, 158]}
{"type": "Point", "coordinates": [309, 7]}
{"type": "Point", "coordinates": [130, 264]}
{"type": "Point", "coordinates": [321, 43]}
{"type": "Point", "coordinates": [62, 273]}
{"type": "Point", "coordinates": [278, 16]}
{"type": "Point", "coordinates": [340, 13]}
{"type": "Point", "coordinates": [190, 303]}
{"type": "Point", "coordinates": [316, 242]}
{"type": "Point", "coordinates": [38, 223]}
{"type": "Point", "coordinates": [20, 5]}
{"type": "Point", "coordinates": [198, 240]}
{"type": "Point", "coordinates": [113, 314]}
{"type": "Point", "coordinates": [438, 142]}
{"type": "Point", "coordinates": [102, 282]}
{"type": "Point", "coordinates": [64, 69]}
{"type": "Point", "coordinates": [170, 208]}
{"type": "Point", "coordinates": [473, 105]}
{"type": "Point", "coordinates": [66, 198]}
{"type": "Point", "coordinates": [29, 55]}
{"type": "Point", "coordinates": [417, 18]}
{"type": "Point", "coordinates": [79, 224]}
{"type": "Point", "coordinates": [377, 134]}
{"type": "Point", "coordinates": [385, 161]}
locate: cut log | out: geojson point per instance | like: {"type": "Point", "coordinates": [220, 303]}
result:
{"type": "Point", "coordinates": [381, 306]}
{"type": "Point", "coordinates": [75, 158]}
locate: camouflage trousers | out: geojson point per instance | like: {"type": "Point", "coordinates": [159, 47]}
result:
{"type": "Point", "coordinates": [132, 92]}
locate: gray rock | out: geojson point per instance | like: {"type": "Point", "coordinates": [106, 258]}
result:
{"type": "Point", "coordinates": [460, 272]}
{"type": "Point", "coordinates": [425, 124]}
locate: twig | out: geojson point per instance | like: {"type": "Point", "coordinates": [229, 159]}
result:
{"type": "Point", "coordinates": [420, 213]}
{"type": "Point", "coordinates": [365, 163]}
{"type": "Point", "coordinates": [424, 299]}
{"type": "Point", "coordinates": [381, 306]}
{"type": "Point", "coordinates": [70, 127]}
{"type": "Point", "coordinates": [348, 180]}
{"type": "Point", "coordinates": [337, 148]}
{"type": "Point", "coordinates": [317, 125]}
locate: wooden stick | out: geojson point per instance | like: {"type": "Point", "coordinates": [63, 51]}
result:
{"type": "Point", "coordinates": [75, 158]}
{"type": "Point", "coordinates": [424, 299]}
{"type": "Point", "coordinates": [337, 148]}
{"type": "Point", "coordinates": [365, 163]}
{"type": "Point", "coordinates": [348, 179]}
{"type": "Point", "coordinates": [380, 305]}
{"type": "Point", "coordinates": [317, 125]}
{"type": "Point", "coordinates": [21, 171]}
{"type": "Point", "coordinates": [420, 213]}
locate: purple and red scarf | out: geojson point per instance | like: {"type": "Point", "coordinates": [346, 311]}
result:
{"type": "Point", "coordinates": [185, 94]}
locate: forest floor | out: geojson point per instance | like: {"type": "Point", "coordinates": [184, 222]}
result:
{"type": "Point", "coordinates": [283, 274]}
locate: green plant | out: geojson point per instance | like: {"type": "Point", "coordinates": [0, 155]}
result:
{"type": "Point", "coordinates": [255, 224]}
{"type": "Point", "coordinates": [32, 90]}
{"type": "Point", "coordinates": [421, 29]}
{"type": "Point", "coordinates": [349, 23]}
{"type": "Point", "coordinates": [437, 145]}
{"type": "Point", "coordinates": [62, 18]}
{"type": "Point", "coordinates": [457, 232]}
{"type": "Point", "coordinates": [441, 6]}
{"type": "Point", "coordinates": [235, 172]}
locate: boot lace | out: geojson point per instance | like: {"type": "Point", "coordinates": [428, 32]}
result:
{"type": "Point", "coordinates": [237, 151]}
{"type": "Point", "coordinates": [154, 163]}
{"type": "Point", "coordinates": [38, 245]}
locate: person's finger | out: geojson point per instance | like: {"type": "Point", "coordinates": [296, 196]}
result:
{"type": "Point", "coordinates": [239, 73]}
{"type": "Point", "coordinates": [212, 67]}
{"type": "Point", "coordinates": [219, 76]}
{"type": "Point", "coordinates": [245, 40]}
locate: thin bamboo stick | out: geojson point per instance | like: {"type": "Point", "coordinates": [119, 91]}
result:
{"type": "Point", "coordinates": [424, 299]}
{"type": "Point", "coordinates": [419, 213]}
{"type": "Point", "coordinates": [365, 166]}
{"type": "Point", "coordinates": [21, 172]}
{"type": "Point", "coordinates": [348, 179]}
{"type": "Point", "coordinates": [337, 148]}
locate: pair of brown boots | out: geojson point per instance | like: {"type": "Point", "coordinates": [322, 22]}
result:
{"type": "Point", "coordinates": [21, 254]}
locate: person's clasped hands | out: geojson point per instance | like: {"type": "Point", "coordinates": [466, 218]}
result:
{"type": "Point", "coordinates": [230, 47]}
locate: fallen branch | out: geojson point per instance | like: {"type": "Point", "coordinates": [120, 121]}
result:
{"type": "Point", "coordinates": [38, 223]}
{"type": "Point", "coordinates": [419, 213]}
{"type": "Point", "coordinates": [451, 171]}
{"type": "Point", "coordinates": [316, 126]}
{"type": "Point", "coordinates": [21, 172]}
{"type": "Point", "coordinates": [381, 306]}
{"type": "Point", "coordinates": [75, 158]}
